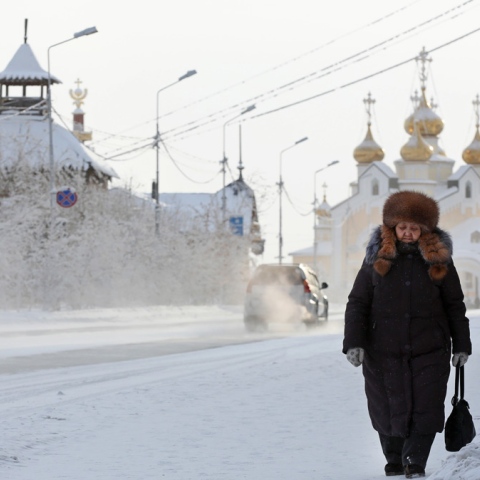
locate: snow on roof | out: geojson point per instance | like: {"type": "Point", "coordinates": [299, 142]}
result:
{"type": "Point", "coordinates": [24, 68]}
{"type": "Point", "coordinates": [385, 169]}
{"type": "Point", "coordinates": [323, 249]}
{"type": "Point", "coordinates": [193, 202]}
{"type": "Point", "coordinates": [239, 202]}
{"type": "Point", "coordinates": [237, 195]}
{"type": "Point", "coordinates": [444, 193]}
{"type": "Point", "coordinates": [461, 172]}
{"type": "Point", "coordinates": [27, 137]}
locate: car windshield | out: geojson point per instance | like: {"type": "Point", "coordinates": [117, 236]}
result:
{"type": "Point", "coordinates": [278, 276]}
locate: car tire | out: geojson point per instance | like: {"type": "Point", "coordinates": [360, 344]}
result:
{"type": "Point", "coordinates": [255, 326]}
{"type": "Point", "coordinates": [310, 325]}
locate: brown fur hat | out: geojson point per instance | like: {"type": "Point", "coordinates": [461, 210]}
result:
{"type": "Point", "coordinates": [411, 206]}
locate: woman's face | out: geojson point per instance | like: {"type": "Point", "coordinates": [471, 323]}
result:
{"type": "Point", "coordinates": [408, 232]}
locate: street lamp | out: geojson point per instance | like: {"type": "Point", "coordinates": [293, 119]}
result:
{"type": "Point", "coordinates": [82, 33]}
{"type": "Point", "coordinates": [280, 191]}
{"type": "Point", "coordinates": [156, 190]}
{"type": "Point", "coordinates": [315, 210]}
{"type": "Point", "coordinates": [224, 159]}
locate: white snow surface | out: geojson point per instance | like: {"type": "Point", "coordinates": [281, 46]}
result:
{"type": "Point", "coordinates": [24, 66]}
{"type": "Point", "coordinates": [26, 136]}
{"type": "Point", "coordinates": [289, 408]}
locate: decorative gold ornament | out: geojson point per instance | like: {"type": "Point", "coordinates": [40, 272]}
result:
{"type": "Point", "coordinates": [416, 149]}
{"type": "Point", "coordinates": [429, 123]}
{"type": "Point", "coordinates": [471, 154]}
{"type": "Point", "coordinates": [368, 151]}
{"type": "Point", "coordinates": [78, 94]}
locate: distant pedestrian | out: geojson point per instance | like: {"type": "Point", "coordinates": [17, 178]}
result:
{"type": "Point", "coordinates": [404, 317]}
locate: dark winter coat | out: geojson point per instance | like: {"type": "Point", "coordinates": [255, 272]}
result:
{"type": "Point", "coordinates": [406, 322]}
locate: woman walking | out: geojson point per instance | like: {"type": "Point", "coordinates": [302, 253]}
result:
{"type": "Point", "coordinates": [404, 317]}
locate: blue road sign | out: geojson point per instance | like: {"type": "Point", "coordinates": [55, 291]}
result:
{"type": "Point", "coordinates": [236, 225]}
{"type": "Point", "coordinates": [67, 198]}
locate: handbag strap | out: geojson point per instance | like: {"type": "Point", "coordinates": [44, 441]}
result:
{"type": "Point", "coordinates": [459, 382]}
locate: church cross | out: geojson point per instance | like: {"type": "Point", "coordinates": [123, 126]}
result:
{"type": "Point", "coordinates": [415, 99]}
{"type": "Point", "coordinates": [369, 101]}
{"type": "Point", "coordinates": [476, 105]}
{"type": "Point", "coordinates": [423, 59]}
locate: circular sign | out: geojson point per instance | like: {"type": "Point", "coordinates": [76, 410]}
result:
{"type": "Point", "coordinates": [67, 198]}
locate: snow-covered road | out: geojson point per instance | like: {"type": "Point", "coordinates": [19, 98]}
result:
{"type": "Point", "coordinates": [279, 409]}
{"type": "Point", "coordinates": [37, 340]}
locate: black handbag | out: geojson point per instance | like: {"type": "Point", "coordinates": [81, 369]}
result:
{"type": "Point", "coordinates": [459, 427]}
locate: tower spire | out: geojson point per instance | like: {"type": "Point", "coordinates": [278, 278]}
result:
{"type": "Point", "coordinates": [78, 95]}
{"type": "Point", "coordinates": [240, 163]}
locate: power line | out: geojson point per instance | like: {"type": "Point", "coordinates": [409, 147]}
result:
{"type": "Point", "coordinates": [294, 207]}
{"type": "Point", "coordinates": [182, 172]}
{"type": "Point", "coordinates": [277, 67]}
{"type": "Point", "coordinates": [349, 84]}
{"type": "Point", "coordinates": [295, 59]}
{"type": "Point", "coordinates": [325, 71]}
{"type": "Point", "coordinates": [184, 130]}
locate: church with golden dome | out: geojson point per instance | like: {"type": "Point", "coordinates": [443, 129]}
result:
{"type": "Point", "coordinates": [342, 231]}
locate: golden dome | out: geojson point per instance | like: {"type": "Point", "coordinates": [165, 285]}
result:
{"type": "Point", "coordinates": [416, 149]}
{"type": "Point", "coordinates": [323, 210]}
{"type": "Point", "coordinates": [368, 151]}
{"type": "Point", "coordinates": [471, 154]}
{"type": "Point", "coordinates": [429, 122]}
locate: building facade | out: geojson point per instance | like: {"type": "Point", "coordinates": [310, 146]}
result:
{"type": "Point", "coordinates": [342, 231]}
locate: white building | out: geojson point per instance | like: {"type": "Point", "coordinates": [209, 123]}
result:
{"type": "Point", "coordinates": [24, 128]}
{"type": "Point", "coordinates": [342, 231]}
{"type": "Point", "coordinates": [235, 207]}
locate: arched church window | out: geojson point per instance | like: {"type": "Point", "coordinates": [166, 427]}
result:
{"type": "Point", "coordinates": [468, 190]}
{"type": "Point", "coordinates": [375, 187]}
{"type": "Point", "coordinates": [475, 237]}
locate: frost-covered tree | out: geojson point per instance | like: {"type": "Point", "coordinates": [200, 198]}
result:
{"type": "Point", "coordinates": [103, 252]}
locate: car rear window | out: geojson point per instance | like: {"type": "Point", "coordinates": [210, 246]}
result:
{"type": "Point", "coordinates": [278, 276]}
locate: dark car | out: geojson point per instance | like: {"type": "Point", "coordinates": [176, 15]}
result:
{"type": "Point", "coordinates": [284, 293]}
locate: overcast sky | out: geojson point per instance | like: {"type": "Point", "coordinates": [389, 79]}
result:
{"type": "Point", "coordinates": [269, 53]}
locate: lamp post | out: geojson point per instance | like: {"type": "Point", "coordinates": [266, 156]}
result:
{"type": "Point", "coordinates": [315, 210]}
{"type": "Point", "coordinates": [82, 33]}
{"type": "Point", "coordinates": [224, 159]}
{"type": "Point", "coordinates": [280, 192]}
{"type": "Point", "coordinates": [156, 192]}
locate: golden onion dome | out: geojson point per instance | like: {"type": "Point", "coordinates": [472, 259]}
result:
{"type": "Point", "coordinates": [429, 123]}
{"type": "Point", "coordinates": [471, 154]}
{"type": "Point", "coordinates": [438, 150]}
{"type": "Point", "coordinates": [368, 151]}
{"type": "Point", "coordinates": [324, 209]}
{"type": "Point", "coordinates": [416, 149]}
